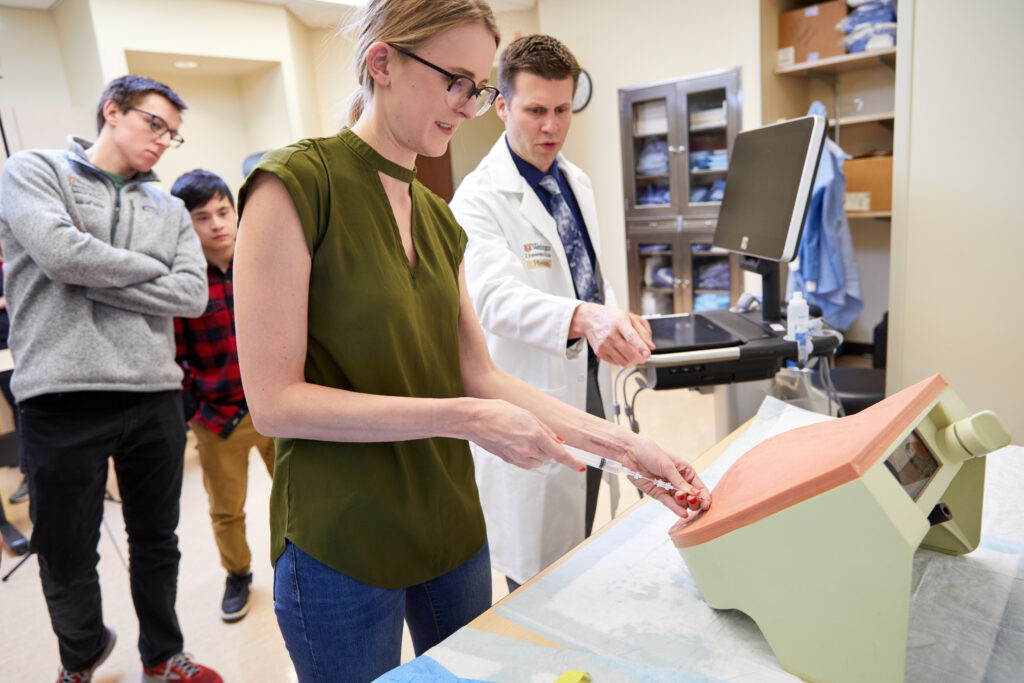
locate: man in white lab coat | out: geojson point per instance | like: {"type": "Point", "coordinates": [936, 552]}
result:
{"type": "Point", "coordinates": [549, 316]}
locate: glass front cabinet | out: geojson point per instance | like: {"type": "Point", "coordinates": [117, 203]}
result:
{"type": "Point", "coordinates": [676, 141]}
{"type": "Point", "coordinates": [674, 270]}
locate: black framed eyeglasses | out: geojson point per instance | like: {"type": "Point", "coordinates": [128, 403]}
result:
{"type": "Point", "coordinates": [159, 127]}
{"type": "Point", "coordinates": [460, 88]}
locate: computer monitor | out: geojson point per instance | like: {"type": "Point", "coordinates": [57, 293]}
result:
{"type": "Point", "coordinates": [767, 193]}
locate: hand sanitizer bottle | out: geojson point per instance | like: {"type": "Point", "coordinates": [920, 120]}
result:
{"type": "Point", "coordinates": [797, 322]}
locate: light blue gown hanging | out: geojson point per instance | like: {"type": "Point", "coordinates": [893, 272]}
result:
{"type": "Point", "coordinates": [826, 272]}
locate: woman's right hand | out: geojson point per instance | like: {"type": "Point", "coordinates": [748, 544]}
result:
{"type": "Point", "coordinates": [516, 435]}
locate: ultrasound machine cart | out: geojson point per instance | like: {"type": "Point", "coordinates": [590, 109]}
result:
{"type": "Point", "coordinates": [767, 195]}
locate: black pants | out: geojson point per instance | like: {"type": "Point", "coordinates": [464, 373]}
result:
{"type": "Point", "coordinates": [67, 439]}
{"type": "Point", "coordinates": [595, 406]}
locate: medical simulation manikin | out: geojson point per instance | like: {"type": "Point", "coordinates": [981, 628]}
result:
{"type": "Point", "coordinates": [813, 532]}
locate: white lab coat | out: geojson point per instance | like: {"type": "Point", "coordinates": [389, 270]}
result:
{"type": "Point", "coordinates": [522, 290]}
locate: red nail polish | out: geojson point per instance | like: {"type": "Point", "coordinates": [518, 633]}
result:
{"type": "Point", "coordinates": [560, 439]}
{"type": "Point", "coordinates": [583, 469]}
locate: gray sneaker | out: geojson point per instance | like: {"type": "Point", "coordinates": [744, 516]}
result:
{"type": "Point", "coordinates": [236, 597]}
{"type": "Point", "coordinates": [20, 494]}
{"type": "Point", "coordinates": [65, 676]}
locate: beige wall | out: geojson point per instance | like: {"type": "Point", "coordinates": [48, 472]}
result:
{"type": "Point", "coordinates": [523, 23]}
{"type": "Point", "coordinates": [629, 43]}
{"type": "Point", "coordinates": [267, 122]}
{"type": "Point", "coordinates": [77, 45]}
{"type": "Point", "coordinates": [33, 73]}
{"type": "Point", "coordinates": [305, 103]}
{"type": "Point", "coordinates": [957, 204]}
{"type": "Point", "coordinates": [871, 239]}
{"type": "Point", "coordinates": [35, 98]}
{"type": "Point", "coordinates": [334, 75]}
{"type": "Point", "coordinates": [211, 28]}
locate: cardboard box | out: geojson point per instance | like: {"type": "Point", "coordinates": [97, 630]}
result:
{"type": "Point", "coordinates": [870, 176]}
{"type": "Point", "coordinates": [809, 34]}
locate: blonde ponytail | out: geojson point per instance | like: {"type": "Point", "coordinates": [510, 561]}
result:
{"type": "Point", "coordinates": [356, 104]}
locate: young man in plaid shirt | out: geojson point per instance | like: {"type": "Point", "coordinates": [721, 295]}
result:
{"type": "Point", "coordinates": [213, 387]}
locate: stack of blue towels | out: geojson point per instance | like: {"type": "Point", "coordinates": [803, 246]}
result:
{"type": "Point", "coordinates": [709, 160]}
{"type": "Point", "coordinates": [704, 193]}
{"type": "Point", "coordinates": [870, 26]}
{"type": "Point", "coordinates": [653, 159]}
{"type": "Point", "coordinates": [713, 275]}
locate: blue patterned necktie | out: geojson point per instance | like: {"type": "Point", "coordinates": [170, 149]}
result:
{"type": "Point", "coordinates": [580, 266]}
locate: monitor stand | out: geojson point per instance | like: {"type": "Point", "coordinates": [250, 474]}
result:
{"type": "Point", "coordinates": [771, 300]}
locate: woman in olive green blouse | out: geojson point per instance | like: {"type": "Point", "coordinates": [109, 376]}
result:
{"type": "Point", "coordinates": [361, 353]}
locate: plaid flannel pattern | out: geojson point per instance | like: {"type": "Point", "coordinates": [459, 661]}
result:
{"type": "Point", "coordinates": [207, 353]}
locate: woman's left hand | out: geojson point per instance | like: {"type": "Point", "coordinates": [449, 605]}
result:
{"type": "Point", "coordinates": [650, 460]}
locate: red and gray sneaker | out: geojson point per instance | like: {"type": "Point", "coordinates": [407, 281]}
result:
{"type": "Point", "coordinates": [180, 667]}
{"type": "Point", "coordinates": [65, 676]}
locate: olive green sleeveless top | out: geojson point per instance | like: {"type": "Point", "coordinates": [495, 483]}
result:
{"type": "Point", "coordinates": [391, 514]}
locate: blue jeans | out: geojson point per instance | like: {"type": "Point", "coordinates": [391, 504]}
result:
{"type": "Point", "coordinates": [339, 629]}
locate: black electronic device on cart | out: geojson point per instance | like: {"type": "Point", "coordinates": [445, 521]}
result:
{"type": "Point", "coordinates": [767, 195]}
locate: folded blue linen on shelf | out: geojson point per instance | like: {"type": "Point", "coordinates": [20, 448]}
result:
{"type": "Point", "coordinates": [654, 194]}
{"type": "Point", "coordinates": [653, 248]}
{"type": "Point", "coordinates": [713, 275]}
{"type": "Point", "coordinates": [709, 160]}
{"type": "Point", "coordinates": [653, 159]}
{"type": "Point", "coordinates": [662, 276]}
{"type": "Point", "coordinates": [717, 191]}
{"type": "Point", "coordinates": [870, 12]}
{"type": "Point", "coordinates": [710, 302]}
{"type": "Point", "coordinates": [871, 37]}
{"type": "Point", "coordinates": [705, 193]}
{"type": "Point", "coordinates": [870, 26]}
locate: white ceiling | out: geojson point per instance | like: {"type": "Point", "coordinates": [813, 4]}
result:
{"type": "Point", "coordinates": [314, 13]}
{"type": "Point", "coordinates": [330, 12]}
{"type": "Point", "coordinates": [29, 4]}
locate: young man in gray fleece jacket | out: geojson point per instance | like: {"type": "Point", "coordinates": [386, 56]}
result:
{"type": "Point", "coordinates": [98, 262]}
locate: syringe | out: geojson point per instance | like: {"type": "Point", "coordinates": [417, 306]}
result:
{"type": "Point", "coordinates": [614, 467]}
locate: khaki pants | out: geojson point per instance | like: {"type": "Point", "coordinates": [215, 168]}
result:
{"type": "Point", "coordinates": [225, 465]}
